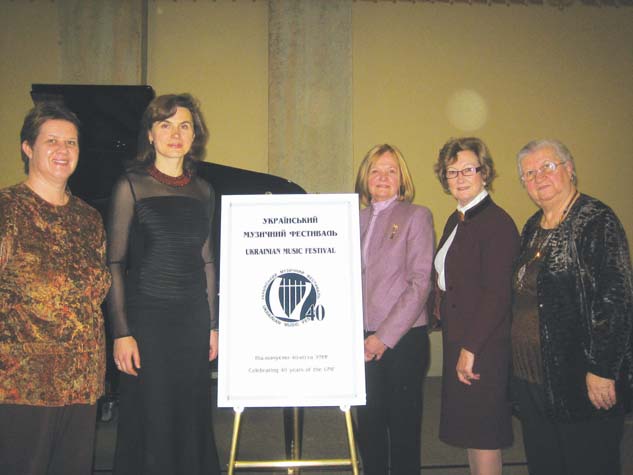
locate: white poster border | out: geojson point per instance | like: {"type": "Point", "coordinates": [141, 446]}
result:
{"type": "Point", "coordinates": [305, 363]}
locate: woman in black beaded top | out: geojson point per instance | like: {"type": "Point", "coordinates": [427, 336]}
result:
{"type": "Point", "coordinates": [573, 316]}
{"type": "Point", "coordinates": [162, 302]}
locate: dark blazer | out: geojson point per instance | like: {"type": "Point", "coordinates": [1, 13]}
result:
{"type": "Point", "coordinates": [397, 271]}
{"type": "Point", "coordinates": [477, 303]}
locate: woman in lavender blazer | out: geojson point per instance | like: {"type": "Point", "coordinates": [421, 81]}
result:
{"type": "Point", "coordinates": [397, 250]}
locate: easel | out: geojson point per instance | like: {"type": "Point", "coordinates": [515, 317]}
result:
{"type": "Point", "coordinates": [294, 464]}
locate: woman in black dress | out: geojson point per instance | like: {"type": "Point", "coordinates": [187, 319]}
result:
{"type": "Point", "coordinates": [162, 301]}
{"type": "Point", "coordinates": [473, 273]}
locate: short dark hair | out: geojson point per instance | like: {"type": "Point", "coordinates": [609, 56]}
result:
{"type": "Point", "coordinates": [43, 112]}
{"type": "Point", "coordinates": [162, 108]}
{"type": "Point", "coordinates": [448, 155]}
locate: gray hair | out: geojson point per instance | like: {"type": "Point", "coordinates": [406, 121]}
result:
{"type": "Point", "coordinates": [561, 151]}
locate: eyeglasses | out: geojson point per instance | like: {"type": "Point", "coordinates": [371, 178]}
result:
{"type": "Point", "coordinates": [468, 171]}
{"type": "Point", "coordinates": [546, 169]}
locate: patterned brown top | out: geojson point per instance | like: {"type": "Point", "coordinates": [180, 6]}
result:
{"type": "Point", "coordinates": [53, 279]}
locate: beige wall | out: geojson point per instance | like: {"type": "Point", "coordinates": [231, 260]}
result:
{"type": "Point", "coordinates": [515, 73]}
{"type": "Point", "coordinates": [218, 51]}
{"type": "Point", "coordinates": [533, 71]}
{"type": "Point", "coordinates": [28, 54]}
{"type": "Point", "coordinates": [538, 71]}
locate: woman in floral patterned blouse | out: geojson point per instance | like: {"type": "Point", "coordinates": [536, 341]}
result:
{"type": "Point", "coordinates": [53, 278]}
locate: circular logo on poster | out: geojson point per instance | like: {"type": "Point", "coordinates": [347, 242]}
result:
{"type": "Point", "coordinates": [290, 297]}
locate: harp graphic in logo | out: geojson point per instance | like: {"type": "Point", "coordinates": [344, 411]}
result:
{"type": "Point", "coordinates": [291, 297]}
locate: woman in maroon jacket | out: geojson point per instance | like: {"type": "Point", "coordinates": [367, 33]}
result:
{"type": "Point", "coordinates": [473, 269]}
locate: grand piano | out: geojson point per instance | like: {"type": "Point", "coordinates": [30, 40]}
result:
{"type": "Point", "coordinates": [110, 118]}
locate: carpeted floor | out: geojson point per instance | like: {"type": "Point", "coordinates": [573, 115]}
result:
{"type": "Point", "coordinates": [324, 436]}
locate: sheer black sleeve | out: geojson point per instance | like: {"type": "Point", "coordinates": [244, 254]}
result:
{"type": "Point", "coordinates": [208, 257]}
{"type": "Point", "coordinates": [118, 231]}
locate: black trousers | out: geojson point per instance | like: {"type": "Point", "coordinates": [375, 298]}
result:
{"type": "Point", "coordinates": [389, 424]}
{"type": "Point", "coordinates": [37, 440]}
{"type": "Point", "coordinates": [590, 447]}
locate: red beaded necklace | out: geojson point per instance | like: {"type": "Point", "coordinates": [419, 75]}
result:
{"type": "Point", "coordinates": [179, 181]}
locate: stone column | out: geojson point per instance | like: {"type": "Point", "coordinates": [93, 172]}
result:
{"type": "Point", "coordinates": [102, 42]}
{"type": "Point", "coordinates": [310, 93]}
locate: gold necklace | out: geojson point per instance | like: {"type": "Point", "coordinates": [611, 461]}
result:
{"type": "Point", "coordinates": [541, 240]}
{"type": "Point", "coordinates": [565, 211]}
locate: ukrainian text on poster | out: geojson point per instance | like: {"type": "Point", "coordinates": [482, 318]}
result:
{"type": "Point", "coordinates": [290, 302]}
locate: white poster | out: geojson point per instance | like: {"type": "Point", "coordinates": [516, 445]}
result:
{"type": "Point", "coordinates": [291, 323]}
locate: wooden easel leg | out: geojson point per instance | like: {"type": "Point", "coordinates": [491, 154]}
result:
{"type": "Point", "coordinates": [234, 439]}
{"type": "Point", "coordinates": [350, 440]}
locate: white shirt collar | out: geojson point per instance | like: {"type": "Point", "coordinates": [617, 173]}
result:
{"type": "Point", "coordinates": [474, 202]}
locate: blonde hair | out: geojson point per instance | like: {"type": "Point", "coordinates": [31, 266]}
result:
{"type": "Point", "coordinates": [406, 191]}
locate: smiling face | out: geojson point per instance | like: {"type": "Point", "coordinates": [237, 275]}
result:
{"type": "Point", "coordinates": [465, 188]}
{"type": "Point", "coordinates": [172, 137]}
{"type": "Point", "coordinates": [54, 155]}
{"type": "Point", "coordinates": [383, 180]}
{"type": "Point", "coordinates": [548, 188]}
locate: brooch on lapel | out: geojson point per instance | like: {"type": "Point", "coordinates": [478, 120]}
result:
{"type": "Point", "coordinates": [394, 231]}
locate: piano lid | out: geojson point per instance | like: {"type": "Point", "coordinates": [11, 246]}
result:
{"type": "Point", "coordinates": [109, 115]}
{"type": "Point", "coordinates": [110, 119]}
